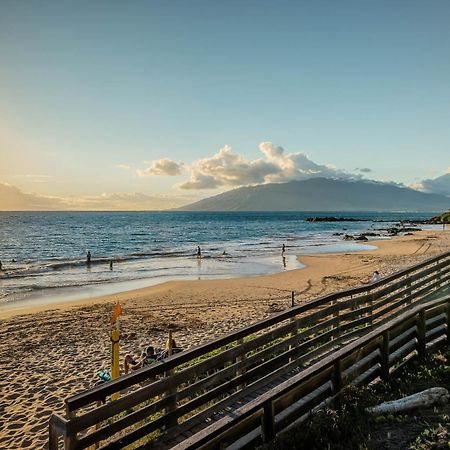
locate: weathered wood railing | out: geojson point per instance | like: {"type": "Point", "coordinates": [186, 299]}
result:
{"type": "Point", "coordinates": [378, 354]}
{"type": "Point", "coordinates": [189, 389]}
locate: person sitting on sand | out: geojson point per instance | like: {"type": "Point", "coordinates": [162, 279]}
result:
{"type": "Point", "coordinates": [175, 349]}
{"type": "Point", "coordinates": [147, 357]}
{"type": "Point", "coordinates": [374, 278]}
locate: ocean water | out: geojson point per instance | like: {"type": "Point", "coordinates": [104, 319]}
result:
{"type": "Point", "coordinates": [44, 254]}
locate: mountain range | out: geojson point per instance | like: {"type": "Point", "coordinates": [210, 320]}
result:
{"type": "Point", "coordinates": [322, 194]}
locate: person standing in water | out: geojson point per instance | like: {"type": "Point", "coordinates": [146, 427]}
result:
{"type": "Point", "coordinates": [283, 249]}
{"type": "Point", "coordinates": [110, 265]}
{"type": "Point", "coordinates": [88, 258]}
{"type": "Point", "coordinates": [199, 252]}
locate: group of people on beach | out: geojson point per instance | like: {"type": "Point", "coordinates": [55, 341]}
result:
{"type": "Point", "coordinates": [88, 260]}
{"type": "Point", "coordinates": [149, 356]}
{"type": "Point", "coordinates": [136, 361]}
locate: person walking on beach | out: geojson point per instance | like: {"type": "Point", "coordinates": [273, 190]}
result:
{"type": "Point", "coordinates": [88, 258]}
{"type": "Point", "coordinates": [283, 249]}
{"type": "Point", "coordinates": [199, 252]}
{"type": "Point", "coordinates": [110, 265]}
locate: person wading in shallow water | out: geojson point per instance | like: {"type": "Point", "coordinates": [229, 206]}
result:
{"type": "Point", "coordinates": [199, 252]}
{"type": "Point", "coordinates": [88, 258]}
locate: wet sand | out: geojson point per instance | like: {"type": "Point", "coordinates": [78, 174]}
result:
{"type": "Point", "coordinates": [51, 352]}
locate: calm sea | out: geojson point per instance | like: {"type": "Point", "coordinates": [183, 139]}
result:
{"type": "Point", "coordinates": [43, 253]}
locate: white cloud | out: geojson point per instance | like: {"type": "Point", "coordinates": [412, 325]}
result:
{"type": "Point", "coordinates": [13, 199]}
{"type": "Point", "coordinates": [162, 167]}
{"type": "Point", "coordinates": [123, 166]}
{"type": "Point", "coordinates": [228, 169]}
{"type": "Point", "coordinates": [438, 185]}
{"type": "Point", "coordinates": [199, 181]}
{"type": "Point", "coordinates": [34, 178]}
{"type": "Point", "coordinates": [134, 201]}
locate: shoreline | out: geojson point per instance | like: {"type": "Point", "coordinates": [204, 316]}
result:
{"type": "Point", "coordinates": [24, 307]}
{"type": "Point", "coordinates": [61, 348]}
{"type": "Point", "coordinates": [88, 294]}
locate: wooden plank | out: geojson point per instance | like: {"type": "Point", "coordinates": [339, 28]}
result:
{"type": "Point", "coordinates": [399, 340]}
{"type": "Point", "coordinates": [437, 331]}
{"type": "Point", "coordinates": [360, 366]}
{"type": "Point", "coordinates": [403, 351]}
{"type": "Point", "coordinates": [356, 313]}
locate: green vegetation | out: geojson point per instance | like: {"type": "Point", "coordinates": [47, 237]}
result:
{"type": "Point", "coordinates": [350, 428]}
{"type": "Point", "coordinates": [443, 218]}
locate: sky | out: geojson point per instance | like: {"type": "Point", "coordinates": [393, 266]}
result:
{"type": "Point", "coordinates": [155, 104]}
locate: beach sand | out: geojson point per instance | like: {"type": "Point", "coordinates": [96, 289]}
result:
{"type": "Point", "coordinates": [51, 352]}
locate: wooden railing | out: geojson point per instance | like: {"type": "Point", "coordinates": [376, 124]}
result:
{"type": "Point", "coordinates": [378, 354]}
{"type": "Point", "coordinates": [170, 401]}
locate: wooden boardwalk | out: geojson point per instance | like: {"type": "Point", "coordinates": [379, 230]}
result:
{"type": "Point", "coordinates": [251, 383]}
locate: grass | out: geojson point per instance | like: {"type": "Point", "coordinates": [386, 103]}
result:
{"type": "Point", "coordinates": [350, 428]}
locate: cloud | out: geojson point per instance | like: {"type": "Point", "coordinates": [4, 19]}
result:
{"type": "Point", "coordinates": [199, 181]}
{"type": "Point", "coordinates": [363, 170]}
{"type": "Point", "coordinates": [123, 166]}
{"type": "Point", "coordinates": [13, 199]}
{"type": "Point", "coordinates": [439, 185]}
{"type": "Point", "coordinates": [134, 201]}
{"type": "Point", "coordinates": [229, 169]}
{"type": "Point", "coordinates": [162, 167]}
{"type": "Point", "coordinates": [33, 178]}
{"type": "Point", "coordinates": [226, 168]}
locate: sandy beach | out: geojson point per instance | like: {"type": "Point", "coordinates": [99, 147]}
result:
{"type": "Point", "coordinates": [51, 352]}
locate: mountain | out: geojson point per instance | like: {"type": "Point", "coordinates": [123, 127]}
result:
{"type": "Point", "coordinates": [322, 194]}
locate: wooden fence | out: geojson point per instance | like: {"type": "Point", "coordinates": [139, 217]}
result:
{"type": "Point", "coordinates": [274, 370]}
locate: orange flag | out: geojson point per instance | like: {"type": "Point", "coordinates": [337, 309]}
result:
{"type": "Point", "coordinates": [116, 313]}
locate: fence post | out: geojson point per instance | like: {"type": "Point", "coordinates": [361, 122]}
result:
{"type": "Point", "coordinates": [293, 319]}
{"type": "Point", "coordinates": [408, 291]}
{"type": "Point", "coordinates": [439, 275]}
{"type": "Point", "coordinates": [69, 441]}
{"type": "Point", "coordinates": [448, 322]}
{"type": "Point", "coordinates": [173, 389]}
{"type": "Point", "coordinates": [52, 436]}
{"type": "Point", "coordinates": [268, 421]}
{"type": "Point", "coordinates": [372, 295]}
{"type": "Point", "coordinates": [336, 333]}
{"type": "Point", "coordinates": [421, 334]}
{"type": "Point", "coordinates": [239, 359]}
{"type": "Point", "coordinates": [337, 383]}
{"type": "Point", "coordinates": [385, 356]}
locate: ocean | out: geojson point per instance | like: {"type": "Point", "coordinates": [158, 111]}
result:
{"type": "Point", "coordinates": [44, 253]}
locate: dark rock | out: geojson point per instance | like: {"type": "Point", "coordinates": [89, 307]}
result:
{"type": "Point", "coordinates": [333, 219]}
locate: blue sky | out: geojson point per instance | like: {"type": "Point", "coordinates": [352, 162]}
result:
{"type": "Point", "coordinates": [87, 86]}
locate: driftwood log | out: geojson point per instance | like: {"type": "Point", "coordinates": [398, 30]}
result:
{"type": "Point", "coordinates": [429, 397]}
